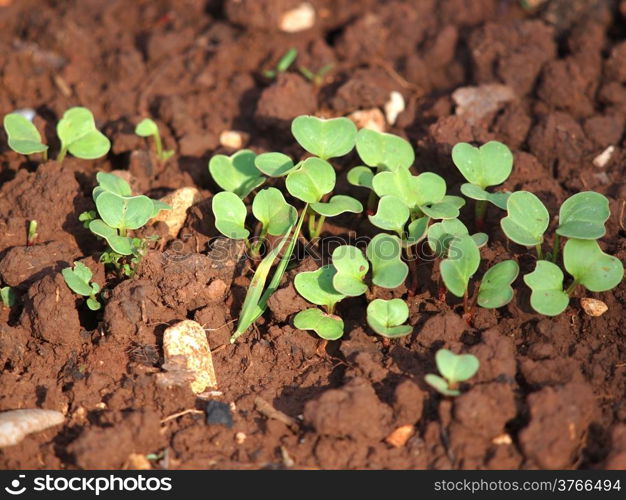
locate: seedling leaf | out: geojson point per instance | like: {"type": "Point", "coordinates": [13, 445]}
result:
{"type": "Point", "coordinates": [384, 151]}
{"type": "Point", "coordinates": [317, 287]}
{"type": "Point", "coordinates": [384, 252]}
{"type": "Point", "coordinates": [124, 212]}
{"type": "Point", "coordinates": [386, 317]}
{"type": "Point", "coordinates": [441, 234]}
{"type": "Point", "coordinates": [7, 296]}
{"type": "Point", "coordinates": [23, 136]}
{"type": "Point", "coordinates": [79, 135]}
{"type": "Point", "coordinates": [274, 164]}
{"type": "Point", "coordinates": [236, 173]}
{"type": "Point", "coordinates": [351, 266]}
{"type": "Point", "coordinates": [462, 262]}
{"type": "Point", "coordinates": [270, 208]}
{"type": "Point", "coordinates": [499, 199]}
{"type": "Point", "coordinates": [590, 266]}
{"type": "Point", "coordinates": [324, 138]}
{"type": "Point", "coordinates": [456, 368]}
{"type": "Point", "coordinates": [361, 176]}
{"type": "Point", "coordinates": [546, 284]}
{"type": "Point", "coordinates": [495, 289]}
{"type": "Point", "coordinates": [392, 214]}
{"type": "Point", "coordinates": [416, 231]}
{"type": "Point", "coordinates": [527, 219]}
{"type": "Point", "coordinates": [489, 165]}
{"type": "Point", "coordinates": [230, 215]}
{"type": "Point", "coordinates": [113, 184]}
{"type": "Point", "coordinates": [146, 128]}
{"type": "Point", "coordinates": [440, 385]}
{"type": "Point", "coordinates": [119, 244]}
{"type": "Point", "coordinates": [327, 326]}
{"type": "Point", "coordinates": [582, 216]}
{"type": "Point", "coordinates": [337, 205]}
{"type": "Point", "coordinates": [312, 180]}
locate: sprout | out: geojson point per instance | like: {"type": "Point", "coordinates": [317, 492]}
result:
{"type": "Point", "coordinates": [273, 212]}
{"type": "Point", "coordinates": [32, 233]}
{"type": "Point", "coordinates": [582, 216]}
{"type": "Point", "coordinates": [455, 368]}
{"type": "Point", "coordinates": [351, 267]}
{"type": "Point", "coordinates": [326, 326]}
{"type": "Point", "coordinates": [384, 251]}
{"type": "Point", "coordinates": [495, 289]}
{"type": "Point", "coordinates": [147, 128]}
{"type": "Point", "coordinates": [23, 136]}
{"type": "Point", "coordinates": [489, 165]}
{"type": "Point", "coordinates": [387, 317]}
{"type": "Point", "coordinates": [460, 265]}
{"type": "Point", "coordinates": [274, 164]}
{"type": "Point", "coordinates": [311, 180]}
{"type": "Point", "coordinates": [283, 64]}
{"type": "Point", "coordinates": [230, 215]}
{"type": "Point", "coordinates": [441, 234]}
{"type": "Point", "coordinates": [546, 283]}
{"type": "Point", "coordinates": [324, 138]}
{"type": "Point", "coordinates": [78, 134]}
{"type": "Point", "coordinates": [316, 78]}
{"type": "Point", "coordinates": [7, 296]}
{"type": "Point", "coordinates": [78, 280]}
{"type": "Point", "coordinates": [392, 215]}
{"type": "Point", "coordinates": [237, 173]}
{"type": "Point", "coordinates": [526, 221]}
{"type": "Point", "coordinates": [384, 151]}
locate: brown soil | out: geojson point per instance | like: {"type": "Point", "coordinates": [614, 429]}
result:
{"type": "Point", "coordinates": [550, 392]}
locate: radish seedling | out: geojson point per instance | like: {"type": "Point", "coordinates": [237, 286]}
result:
{"type": "Point", "coordinates": [384, 251]}
{"type": "Point", "coordinates": [7, 296]}
{"type": "Point", "coordinates": [283, 64]}
{"type": "Point", "coordinates": [324, 138]}
{"type": "Point", "coordinates": [148, 128]}
{"type": "Point", "coordinates": [488, 165]}
{"type": "Point", "coordinates": [495, 288]}
{"type": "Point", "coordinates": [78, 135]}
{"type": "Point", "coordinates": [23, 136]}
{"type": "Point", "coordinates": [589, 266]}
{"type": "Point", "coordinates": [455, 369]}
{"type": "Point", "coordinates": [387, 317]}
{"type": "Point", "coordinates": [78, 280]}
{"type": "Point", "coordinates": [236, 173]}
{"type": "Point", "coordinates": [317, 287]}
{"type": "Point", "coordinates": [351, 267]}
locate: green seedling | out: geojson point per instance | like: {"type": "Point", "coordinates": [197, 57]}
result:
{"type": "Point", "coordinates": [383, 151]}
{"type": "Point", "coordinates": [148, 128]}
{"type": "Point", "coordinates": [495, 289]}
{"type": "Point", "coordinates": [7, 296]}
{"type": "Point", "coordinates": [313, 179]}
{"type": "Point", "coordinates": [588, 265]}
{"type": "Point", "coordinates": [324, 138]}
{"type": "Point", "coordinates": [582, 216]}
{"type": "Point", "coordinates": [274, 164]}
{"type": "Point", "coordinates": [316, 78]}
{"type": "Point", "coordinates": [488, 165]}
{"type": "Point", "coordinates": [460, 265]}
{"type": "Point", "coordinates": [23, 136]}
{"type": "Point", "coordinates": [351, 267]}
{"type": "Point", "coordinates": [384, 251]}
{"type": "Point", "coordinates": [236, 173]}
{"type": "Point", "coordinates": [230, 215]}
{"type": "Point", "coordinates": [283, 64]}
{"type": "Point", "coordinates": [32, 233]}
{"type": "Point", "coordinates": [526, 221]}
{"type": "Point", "coordinates": [78, 135]}
{"type": "Point", "coordinates": [78, 280]}
{"type": "Point", "coordinates": [441, 234]}
{"type": "Point", "coordinates": [455, 369]}
{"type": "Point", "coordinates": [118, 212]}
{"type": "Point", "coordinates": [387, 317]}
{"type": "Point", "coordinates": [317, 287]}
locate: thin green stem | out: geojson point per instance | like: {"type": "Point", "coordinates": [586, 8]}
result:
{"type": "Point", "coordinates": [44, 155]}
{"type": "Point", "coordinates": [255, 250]}
{"type": "Point", "coordinates": [62, 153]}
{"type": "Point", "coordinates": [312, 222]}
{"type": "Point", "coordinates": [123, 231]}
{"type": "Point", "coordinates": [319, 226]}
{"type": "Point", "coordinates": [556, 247]}
{"type": "Point", "coordinates": [539, 252]}
{"type": "Point", "coordinates": [572, 287]}
{"type": "Point", "coordinates": [159, 146]}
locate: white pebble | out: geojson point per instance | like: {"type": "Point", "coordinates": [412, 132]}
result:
{"type": "Point", "coordinates": [299, 19]}
{"type": "Point", "coordinates": [593, 307]}
{"type": "Point", "coordinates": [233, 139]}
{"type": "Point", "coordinates": [394, 106]}
{"type": "Point", "coordinates": [371, 119]}
{"type": "Point", "coordinates": [603, 158]}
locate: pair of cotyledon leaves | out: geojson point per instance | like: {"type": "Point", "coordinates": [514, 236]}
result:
{"type": "Point", "coordinates": [78, 280]}
{"type": "Point", "coordinates": [454, 368]}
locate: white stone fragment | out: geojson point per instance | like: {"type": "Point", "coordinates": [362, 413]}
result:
{"type": "Point", "coordinates": [298, 19]}
{"type": "Point", "coordinates": [233, 139]}
{"type": "Point", "coordinates": [180, 201]}
{"type": "Point", "coordinates": [394, 106]}
{"type": "Point", "coordinates": [603, 158]}
{"type": "Point", "coordinates": [372, 119]}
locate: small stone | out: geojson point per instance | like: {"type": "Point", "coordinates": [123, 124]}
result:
{"type": "Point", "coordinates": [217, 289]}
{"type": "Point", "coordinates": [187, 357]}
{"type": "Point", "coordinates": [394, 106]}
{"type": "Point", "coordinates": [593, 307]}
{"type": "Point", "coordinates": [474, 103]}
{"type": "Point", "coordinates": [240, 438]}
{"type": "Point", "coordinates": [400, 436]}
{"type": "Point", "coordinates": [15, 425]}
{"type": "Point", "coordinates": [137, 461]}
{"type": "Point", "coordinates": [502, 439]}
{"type": "Point", "coordinates": [233, 139]}
{"type": "Point", "coordinates": [603, 158]}
{"type": "Point", "coordinates": [218, 413]}
{"type": "Point", "coordinates": [372, 119]}
{"type": "Point", "coordinates": [180, 201]}
{"type": "Point", "coordinates": [299, 19]}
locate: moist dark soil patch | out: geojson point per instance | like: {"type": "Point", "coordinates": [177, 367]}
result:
{"type": "Point", "coordinates": [550, 392]}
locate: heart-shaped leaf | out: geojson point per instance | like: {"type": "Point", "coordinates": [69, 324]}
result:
{"type": "Point", "coordinates": [119, 244]}
{"type": "Point", "coordinates": [416, 231]}
{"type": "Point", "coordinates": [361, 176]}
{"type": "Point", "coordinates": [274, 164]}
{"type": "Point", "coordinates": [324, 138]}
{"type": "Point", "coordinates": [440, 385]}
{"type": "Point", "coordinates": [326, 326]}
{"type": "Point", "coordinates": [387, 317]}
{"type": "Point", "coordinates": [582, 216]}
{"type": "Point", "coordinates": [236, 173]}
{"type": "Point", "coordinates": [495, 289]}
{"type": "Point", "coordinates": [474, 192]}
{"type": "Point", "coordinates": [527, 219]}
{"type": "Point", "coordinates": [384, 251]}
{"type": "Point", "coordinates": [462, 262]}
{"type": "Point", "coordinates": [124, 212]}
{"type": "Point", "coordinates": [113, 184]}
{"type": "Point", "coordinates": [146, 128]}
{"type": "Point", "coordinates": [489, 165]}
{"type": "Point", "coordinates": [78, 279]}
{"type": "Point", "coordinates": [441, 234]}
{"type": "Point", "coordinates": [399, 184]}
{"type": "Point", "coordinates": [546, 284]}
{"type": "Point", "coordinates": [230, 215]}
{"type": "Point", "coordinates": [270, 208]}
{"type": "Point", "coordinates": [338, 205]}
{"type": "Point", "coordinates": [441, 210]}
{"type": "Point", "coordinates": [590, 266]}
{"type": "Point", "coordinates": [23, 136]}
{"type": "Point", "coordinates": [351, 266]}
{"type": "Point", "coordinates": [317, 287]}
{"type": "Point", "coordinates": [456, 368]}
{"type": "Point", "coordinates": [384, 151]}
{"type": "Point", "coordinates": [79, 135]}
{"type": "Point", "coordinates": [391, 215]}
{"type": "Point", "coordinates": [311, 180]}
